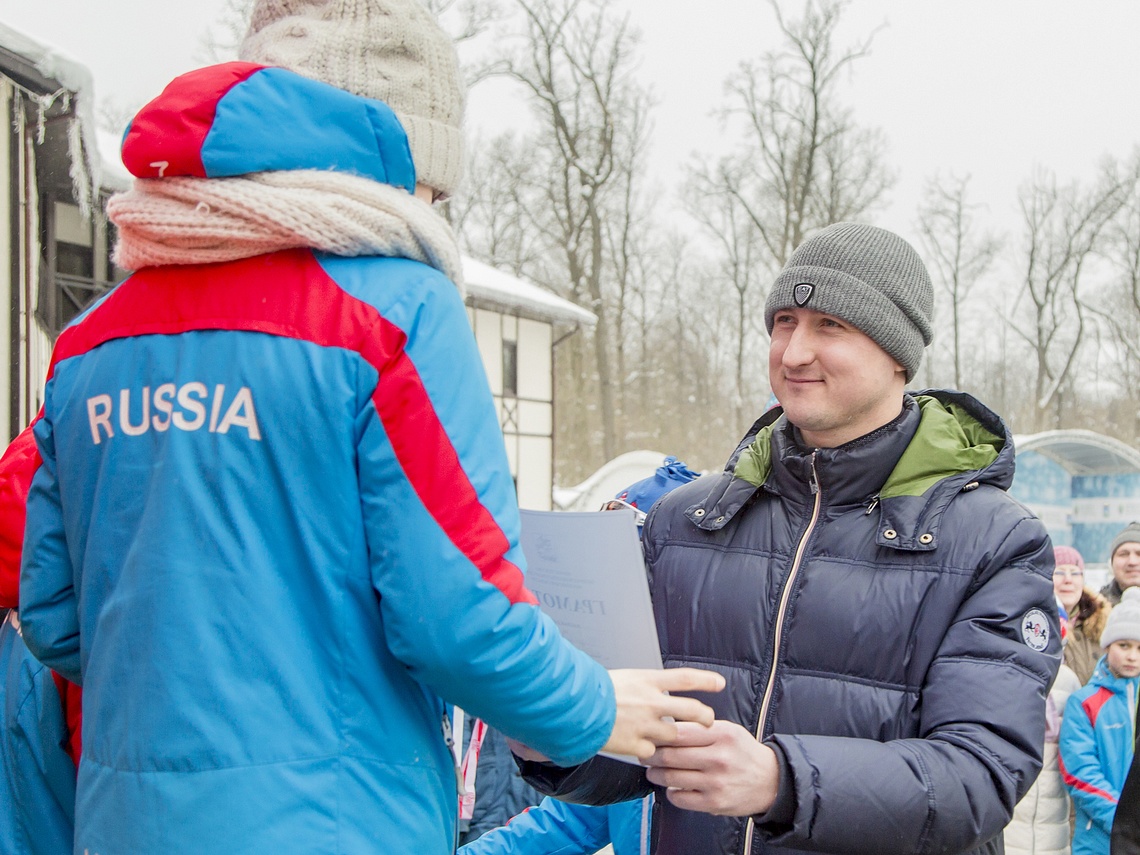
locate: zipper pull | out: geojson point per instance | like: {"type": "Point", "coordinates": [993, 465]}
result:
{"type": "Point", "coordinates": [449, 738]}
{"type": "Point", "coordinates": [814, 477]}
{"type": "Point", "coordinates": [874, 504]}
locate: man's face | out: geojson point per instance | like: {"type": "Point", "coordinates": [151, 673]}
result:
{"type": "Point", "coordinates": [1126, 565]}
{"type": "Point", "coordinates": [1124, 658]}
{"type": "Point", "coordinates": [834, 383]}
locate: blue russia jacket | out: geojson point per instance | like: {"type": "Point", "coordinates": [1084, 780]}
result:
{"type": "Point", "coordinates": [274, 526]}
{"type": "Point", "coordinates": [1097, 744]}
{"type": "Point", "coordinates": [559, 828]}
{"type": "Point", "coordinates": [37, 775]}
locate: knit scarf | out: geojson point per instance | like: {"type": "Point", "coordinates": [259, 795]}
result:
{"type": "Point", "coordinates": [203, 220]}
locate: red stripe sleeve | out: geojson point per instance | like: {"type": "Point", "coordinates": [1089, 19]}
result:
{"type": "Point", "coordinates": [1083, 786]}
{"type": "Point", "coordinates": [289, 294]}
{"type": "Point", "coordinates": [17, 467]}
{"type": "Point", "coordinates": [1094, 702]}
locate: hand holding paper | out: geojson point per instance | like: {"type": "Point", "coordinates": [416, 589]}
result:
{"type": "Point", "coordinates": [646, 715]}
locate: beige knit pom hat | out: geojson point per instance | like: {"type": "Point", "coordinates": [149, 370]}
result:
{"type": "Point", "coordinates": [390, 50]}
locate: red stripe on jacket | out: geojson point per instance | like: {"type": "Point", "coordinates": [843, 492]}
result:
{"type": "Point", "coordinates": [1093, 703]}
{"type": "Point", "coordinates": [289, 294]}
{"type": "Point", "coordinates": [1083, 786]}
{"type": "Point", "coordinates": [166, 137]}
{"type": "Point", "coordinates": [71, 697]}
{"type": "Point", "coordinates": [17, 467]}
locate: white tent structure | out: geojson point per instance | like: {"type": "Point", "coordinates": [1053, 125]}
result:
{"type": "Point", "coordinates": [608, 481]}
{"type": "Point", "coordinates": [1084, 486]}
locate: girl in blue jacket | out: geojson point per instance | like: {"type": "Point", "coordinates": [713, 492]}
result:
{"type": "Point", "coordinates": [1098, 734]}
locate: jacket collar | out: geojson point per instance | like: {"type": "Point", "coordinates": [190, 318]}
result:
{"type": "Point", "coordinates": [1103, 678]}
{"type": "Point", "coordinates": [942, 444]}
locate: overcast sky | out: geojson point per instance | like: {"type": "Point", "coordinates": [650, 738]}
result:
{"type": "Point", "coordinates": [990, 88]}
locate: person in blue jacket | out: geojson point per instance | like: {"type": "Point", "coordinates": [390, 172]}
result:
{"type": "Point", "coordinates": [559, 828]}
{"type": "Point", "coordinates": [272, 530]}
{"type": "Point", "coordinates": [1098, 734]}
{"type": "Point", "coordinates": [37, 774]}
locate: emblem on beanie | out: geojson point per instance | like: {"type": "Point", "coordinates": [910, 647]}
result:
{"type": "Point", "coordinates": [802, 293]}
{"type": "Point", "coordinates": [1035, 629]}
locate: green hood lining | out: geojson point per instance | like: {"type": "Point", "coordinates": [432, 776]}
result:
{"type": "Point", "coordinates": [949, 440]}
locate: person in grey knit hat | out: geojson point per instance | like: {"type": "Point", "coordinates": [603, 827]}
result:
{"type": "Point", "coordinates": [1124, 558]}
{"type": "Point", "coordinates": [867, 276]}
{"type": "Point", "coordinates": [882, 609]}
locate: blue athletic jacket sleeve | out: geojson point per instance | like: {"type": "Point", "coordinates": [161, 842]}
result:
{"type": "Point", "coordinates": [442, 525]}
{"type": "Point", "coordinates": [49, 611]}
{"type": "Point", "coordinates": [550, 828]}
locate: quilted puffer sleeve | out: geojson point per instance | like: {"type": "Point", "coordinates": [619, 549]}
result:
{"type": "Point", "coordinates": [982, 721]}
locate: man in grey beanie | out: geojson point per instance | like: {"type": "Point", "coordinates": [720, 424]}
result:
{"type": "Point", "coordinates": [882, 610]}
{"type": "Point", "coordinates": [1124, 557]}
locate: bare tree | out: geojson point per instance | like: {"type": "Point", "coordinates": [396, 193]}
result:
{"type": "Point", "coordinates": [804, 163]}
{"type": "Point", "coordinates": [1063, 227]}
{"type": "Point", "coordinates": [576, 67]}
{"type": "Point", "coordinates": [498, 216]}
{"type": "Point", "coordinates": [1118, 308]}
{"type": "Point", "coordinates": [221, 41]}
{"type": "Point", "coordinates": [745, 269]}
{"type": "Point", "coordinates": [801, 163]}
{"type": "Point", "coordinates": [960, 254]}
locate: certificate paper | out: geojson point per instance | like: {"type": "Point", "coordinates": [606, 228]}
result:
{"type": "Point", "coordinates": [588, 574]}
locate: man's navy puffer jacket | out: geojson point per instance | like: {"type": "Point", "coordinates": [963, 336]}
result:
{"type": "Point", "coordinates": [900, 663]}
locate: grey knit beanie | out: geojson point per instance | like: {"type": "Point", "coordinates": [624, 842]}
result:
{"type": "Point", "coordinates": [1129, 534]}
{"type": "Point", "coordinates": [1124, 620]}
{"type": "Point", "coordinates": [869, 277]}
{"type": "Point", "coordinates": [390, 50]}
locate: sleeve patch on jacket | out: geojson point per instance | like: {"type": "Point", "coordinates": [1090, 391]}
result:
{"type": "Point", "coordinates": [1035, 629]}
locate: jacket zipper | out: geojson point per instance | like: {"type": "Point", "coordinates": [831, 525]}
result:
{"type": "Point", "coordinates": [449, 740]}
{"type": "Point", "coordinates": [777, 636]}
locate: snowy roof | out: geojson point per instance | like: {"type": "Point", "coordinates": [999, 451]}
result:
{"type": "Point", "coordinates": [494, 289]}
{"type": "Point", "coordinates": [73, 83]}
{"type": "Point", "coordinates": [114, 175]}
{"type": "Point", "coordinates": [47, 60]}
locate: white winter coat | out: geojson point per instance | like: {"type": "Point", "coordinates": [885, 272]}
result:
{"type": "Point", "coordinates": [1040, 824]}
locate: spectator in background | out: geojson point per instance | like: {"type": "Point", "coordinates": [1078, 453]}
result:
{"type": "Point", "coordinates": [1087, 611]}
{"type": "Point", "coordinates": [1040, 824]}
{"type": "Point", "coordinates": [1124, 556]}
{"type": "Point", "coordinates": [1098, 733]}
